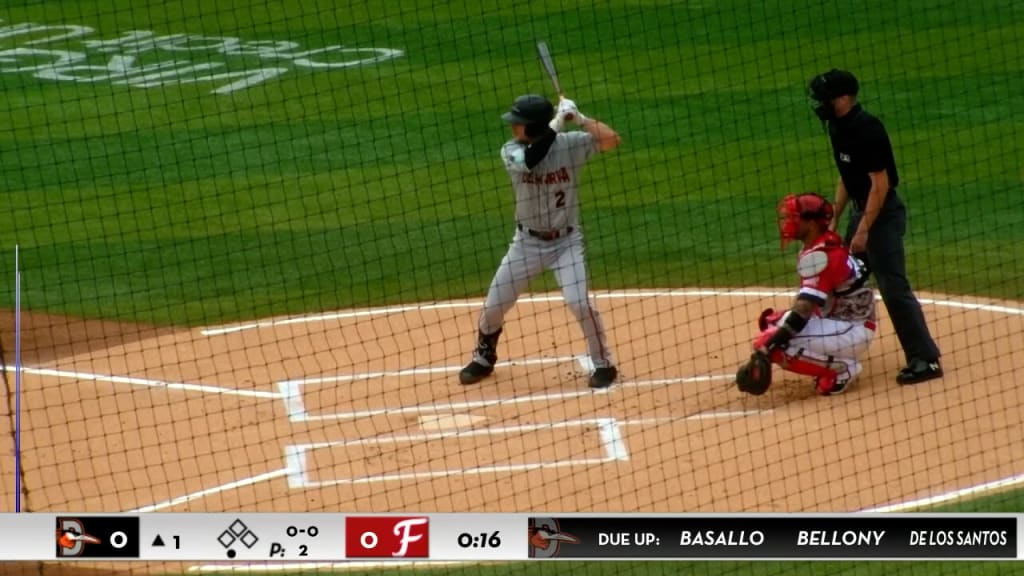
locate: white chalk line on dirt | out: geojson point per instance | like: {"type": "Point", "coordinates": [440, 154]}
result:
{"type": "Point", "coordinates": [611, 440]}
{"type": "Point", "coordinates": [426, 370]}
{"type": "Point", "coordinates": [133, 381]}
{"type": "Point", "coordinates": [480, 470]}
{"type": "Point", "coordinates": [218, 330]}
{"type": "Point", "coordinates": [950, 496]}
{"type": "Point", "coordinates": [215, 490]}
{"type": "Point", "coordinates": [430, 436]}
{"type": "Point", "coordinates": [214, 331]}
{"type": "Point", "coordinates": [609, 433]}
{"type": "Point", "coordinates": [291, 393]}
{"type": "Point", "coordinates": [299, 477]}
{"type": "Point", "coordinates": [671, 293]}
{"type": "Point", "coordinates": [973, 307]}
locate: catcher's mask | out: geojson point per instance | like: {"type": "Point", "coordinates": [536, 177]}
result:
{"type": "Point", "coordinates": [824, 88]}
{"type": "Point", "coordinates": [797, 208]}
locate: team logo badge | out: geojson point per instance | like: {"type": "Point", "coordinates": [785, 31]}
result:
{"type": "Point", "coordinates": [387, 537]}
{"type": "Point", "coordinates": [72, 539]}
{"type": "Point", "coordinates": [546, 538]}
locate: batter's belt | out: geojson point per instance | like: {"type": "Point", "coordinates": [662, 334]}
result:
{"type": "Point", "coordinates": [546, 235]}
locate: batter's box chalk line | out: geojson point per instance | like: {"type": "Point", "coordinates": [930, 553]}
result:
{"type": "Point", "coordinates": [291, 392]}
{"type": "Point", "coordinates": [609, 435]}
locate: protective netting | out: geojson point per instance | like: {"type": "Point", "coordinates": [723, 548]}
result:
{"type": "Point", "coordinates": [256, 238]}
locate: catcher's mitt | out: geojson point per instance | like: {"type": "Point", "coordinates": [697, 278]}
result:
{"type": "Point", "coordinates": [755, 376]}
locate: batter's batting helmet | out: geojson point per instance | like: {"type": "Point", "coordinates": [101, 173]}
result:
{"type": "Point", "coordinates": [530, 109]}
{"type": "Point", "coordinates": [833, 84]}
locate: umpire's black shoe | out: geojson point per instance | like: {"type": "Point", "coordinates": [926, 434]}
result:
{"type": "Point", "coordinates": [603, 377]}
{"type": "Point", "coordinates": [919, 371]}
{"type": "Point", "coordinates": [475, 372]}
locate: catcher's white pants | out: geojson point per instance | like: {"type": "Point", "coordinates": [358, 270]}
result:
{"type": "Point", "coordinates": [835, 343]}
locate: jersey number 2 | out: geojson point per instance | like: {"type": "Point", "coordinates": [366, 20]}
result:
{"type": "Point", "coordinates": [560, 199]}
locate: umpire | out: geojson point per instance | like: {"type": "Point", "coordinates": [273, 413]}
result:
{"type": "Point", "coordinates": [868, 178]}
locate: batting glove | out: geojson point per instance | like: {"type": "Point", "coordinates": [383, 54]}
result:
{"type": "Point", "coordinates": [558, 122]}
{"type": "Point", "coordinates": [568, 109]}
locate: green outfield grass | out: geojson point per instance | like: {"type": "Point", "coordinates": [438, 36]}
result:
{"type": "Point", "coordinates": [381, 183]}
{"type": "Point", "coordinates": [714, 569]}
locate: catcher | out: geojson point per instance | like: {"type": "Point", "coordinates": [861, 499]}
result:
{"type": "Point", "coordinates": [832, 320]}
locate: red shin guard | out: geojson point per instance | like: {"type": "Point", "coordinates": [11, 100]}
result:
{"type": "Point", "coordinates": [800, 365]}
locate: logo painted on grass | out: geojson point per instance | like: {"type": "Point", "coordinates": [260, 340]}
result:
{"type": "Point", "coordinates": [141, 59]}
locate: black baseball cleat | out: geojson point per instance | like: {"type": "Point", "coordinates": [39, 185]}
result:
{"type": "Point", "coordinates": [474, 372]}
{"type": "Point", "coordinates": [919, 371]}
{"type": "Point", "coordinates": [603, 377]}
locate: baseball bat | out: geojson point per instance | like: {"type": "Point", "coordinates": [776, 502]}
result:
{"type": "Point", "coordinates": [549, 67]}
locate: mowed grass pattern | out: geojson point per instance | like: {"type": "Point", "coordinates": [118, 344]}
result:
{"type": "Point", "coordinates": [377, 184]}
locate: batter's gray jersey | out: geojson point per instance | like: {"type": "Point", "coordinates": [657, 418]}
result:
{"type": "Point", "coordinates": [547, 197]}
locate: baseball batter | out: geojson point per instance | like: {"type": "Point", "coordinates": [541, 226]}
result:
{"type": "Point", "coordinates": [544, 163]}
{"type": "Point", "coordinates": [832, 321]}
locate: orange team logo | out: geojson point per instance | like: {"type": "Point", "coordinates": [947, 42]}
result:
{"type": "Point", "coordinates": [72, 539]}
{"type": "Point", "coordinates": [545, 538]}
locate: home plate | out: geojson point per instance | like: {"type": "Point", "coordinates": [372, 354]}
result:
{"type": "Point", "coordinates": [433, 422]}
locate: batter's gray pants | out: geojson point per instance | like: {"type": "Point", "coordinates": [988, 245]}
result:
{"type": "Point", "coordinates": [527, 258]}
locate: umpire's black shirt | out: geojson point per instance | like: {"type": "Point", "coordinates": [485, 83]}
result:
{"type": "Point", "coordinates": [860, 146]}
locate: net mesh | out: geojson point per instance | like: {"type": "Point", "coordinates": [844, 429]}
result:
{"type": "Point", "coordinates": [256, 239]}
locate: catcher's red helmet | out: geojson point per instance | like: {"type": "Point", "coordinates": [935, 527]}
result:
{"type": "Point", "coordinates": [794, 208]}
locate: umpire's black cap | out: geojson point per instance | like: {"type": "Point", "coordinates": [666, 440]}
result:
{"type": "Point", "coordinates": [833, 84]}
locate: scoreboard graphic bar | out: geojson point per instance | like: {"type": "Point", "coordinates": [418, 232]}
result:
{"type": "Point", "coordinates": [775, 537]}
{"type": "Point", "coordinates": [258, 538]}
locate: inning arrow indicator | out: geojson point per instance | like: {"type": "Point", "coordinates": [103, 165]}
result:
{"type": "Point", "coordinates": [158, 541]}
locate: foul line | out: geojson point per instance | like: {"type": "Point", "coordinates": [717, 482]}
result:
{"type": "Point", "coordinates": [948, 496]}
{"type": "Point", "coordinates": [973, 307]}
{"type": "Point", "coordinates": [149, 383]}
{"type": "Point", "coordinates": [204, 493]}
{"type": "Point", "coordinates": [214, 331]}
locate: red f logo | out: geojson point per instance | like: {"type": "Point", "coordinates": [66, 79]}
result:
{"type": "Point", "coordinates": [387, 536]}
{"type": "Point", "coordinates": [403, 530]}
